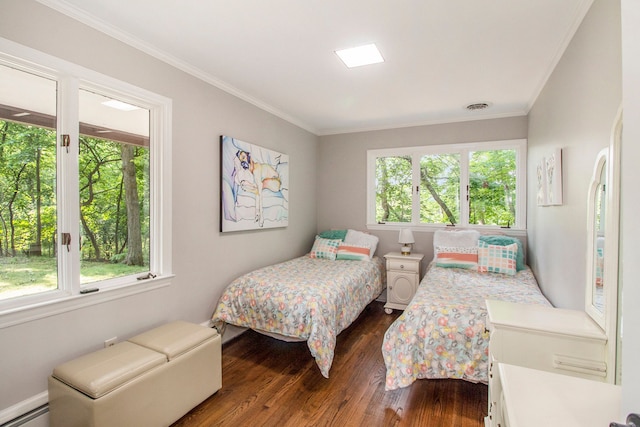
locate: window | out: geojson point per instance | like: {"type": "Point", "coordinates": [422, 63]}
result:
{"type": "Point", "coordinates": [84, 183]}
{"type": "Point", "coordinates": [469, 185]}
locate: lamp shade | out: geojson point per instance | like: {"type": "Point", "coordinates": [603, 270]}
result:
{"type": "Point", "coordinates": [406, 236]}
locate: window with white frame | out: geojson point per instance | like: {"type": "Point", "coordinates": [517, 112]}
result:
{"type": "Point", "coordinates": [84, 182]}
{"type": "Point", "coordinates": [465, 185]}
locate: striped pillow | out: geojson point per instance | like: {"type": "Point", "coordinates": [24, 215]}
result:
{"type": "Point", "coordinates": [497, 259]}
{"type": "Point", "coordinates": [353, 252]}
{"type": "Point", "coordinates": [324, 248]}
{"type": "Point", "coordinates": [457, 257]}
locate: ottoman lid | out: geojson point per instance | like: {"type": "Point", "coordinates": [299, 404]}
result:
{"type": "Point", "coordinates": [174, 339]}
{"type": "Point", "coordinates": [100, 372]}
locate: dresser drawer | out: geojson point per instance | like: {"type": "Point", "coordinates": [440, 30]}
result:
{"type": "Point", "coordinates": [403, 265]}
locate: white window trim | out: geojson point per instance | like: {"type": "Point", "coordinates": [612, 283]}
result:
{"type": "Point", "coordinates": [67, 297]}
{"type": "Point", "coordinates": [520, 145]}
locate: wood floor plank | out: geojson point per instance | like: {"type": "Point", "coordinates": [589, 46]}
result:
{"type": "Point", "coordinates": [266, 382]}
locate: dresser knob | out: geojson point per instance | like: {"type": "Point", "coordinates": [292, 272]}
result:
{"type": "Point", "coordinates": [401, 265]}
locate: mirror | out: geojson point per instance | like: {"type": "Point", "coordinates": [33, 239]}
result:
{"type": "Point", "coordinates": [602, 291]}
{"type": "Point", "coordinates": [595, 302]}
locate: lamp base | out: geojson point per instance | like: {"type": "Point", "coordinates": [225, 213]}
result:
{"type": "Point", "coordinates": [405, 250]}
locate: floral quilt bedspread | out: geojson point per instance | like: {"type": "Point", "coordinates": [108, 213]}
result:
{"type": "Point", "coordinates": [306, 298]}
{"type": "Point", "coordinates": [441, 333]}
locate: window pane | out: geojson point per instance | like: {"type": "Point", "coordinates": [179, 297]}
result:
{"type": "Point", "coordinates": [393, 189]}
{"type": "Point", "coordinates": [114, 188]}
{"type": "Point", "coordinates": [27, 183]}
{"type": "Point", "coordinates": [492, 192]}
{"type": "Point", "coordinates": [440, 189]}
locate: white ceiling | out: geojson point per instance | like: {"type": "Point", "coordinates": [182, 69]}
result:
{"type": "Point", "coordinates": [440, 55]}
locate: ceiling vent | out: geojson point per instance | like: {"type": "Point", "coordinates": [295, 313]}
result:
{"type": "Point", "coordinates": [477, 106]}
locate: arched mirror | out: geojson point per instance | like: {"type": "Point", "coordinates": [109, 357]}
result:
{"type": "Point", "coordinates": [601, 293]}
{"type": "Point", "coordinates": [595, 302]}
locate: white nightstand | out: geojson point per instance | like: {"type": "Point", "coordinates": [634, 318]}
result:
{"type": "Point", "coordinates": [403, 278]}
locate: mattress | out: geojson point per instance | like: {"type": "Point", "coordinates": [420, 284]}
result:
{"type": "Point", "coordinates": [442, 333]}
{"type": "Point", "coordinates": [304, 298]}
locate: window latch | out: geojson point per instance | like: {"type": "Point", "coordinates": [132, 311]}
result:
{"type": "Point", "coordinates": [65, 239]}
{"type": "Point", "coordinates": [66, 142]}
{"type": "Point", "coordinates": [149, 275]}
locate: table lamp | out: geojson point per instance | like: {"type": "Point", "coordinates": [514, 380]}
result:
{"type": "Point", "coordinates": [406, 239]}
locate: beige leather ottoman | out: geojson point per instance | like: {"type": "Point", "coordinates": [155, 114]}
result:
{"type": "Point", "coordinates": [152, 379]}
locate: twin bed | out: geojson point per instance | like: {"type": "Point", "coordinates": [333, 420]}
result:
{"type": "Point", "coordinates": [442, 332]}
{"type": "Point", "coordinates": [311, 298]}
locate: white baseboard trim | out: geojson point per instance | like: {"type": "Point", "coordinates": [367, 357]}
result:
{"type": "Point", "coordinates": [24, 407]}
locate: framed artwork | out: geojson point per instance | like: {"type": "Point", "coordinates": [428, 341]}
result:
{"type": "Point", "coordinates": [254, 186]}
{"type": "Point", "coordinates": [541, 182]}
{"type": "Point", "coordinates": [549, 179]}
{"type": "Point", "coordinates": [554, 177]}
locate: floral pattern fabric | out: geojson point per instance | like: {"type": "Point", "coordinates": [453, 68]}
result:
{"type": "Point", "coordinates": [307, 298]}
{"type": "Point", "coordinates": [442, 332]}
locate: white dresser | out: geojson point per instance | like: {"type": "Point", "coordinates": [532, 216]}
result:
{"type": "Point", "coordinates": [533, 398]}
{"type": "Point", "coordinates": [549, 339]}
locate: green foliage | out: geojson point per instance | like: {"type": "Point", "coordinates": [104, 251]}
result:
{"type": "Point", "coordinates": [27, 162]}
{"type": "Point", "coordinates": [22, 276]}
{"type": "Point", "coordinates": [28, 205]}
{"type": "Point", "coordinates": [492, 188]}
{"type": "Point", "coordinates": [439, 189]}
{"type": "Point", "coordinates": [393, 189]}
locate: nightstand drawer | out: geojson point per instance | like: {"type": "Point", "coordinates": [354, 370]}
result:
{"type": "Point", "coordinates": [403, 265]}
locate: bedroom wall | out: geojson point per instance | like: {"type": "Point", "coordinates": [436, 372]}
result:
{"type": "Point", "coordinates": [342, 170]}
{"type": "Point", "coordinates": [204, 260]}
{"type": "Point", "coordinates": [575, 111]}
{"type": "Point", "coordinates": [630, 206]}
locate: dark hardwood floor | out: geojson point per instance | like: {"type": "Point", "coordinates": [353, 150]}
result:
{"type": "Point", "coordinates": [267, 382]}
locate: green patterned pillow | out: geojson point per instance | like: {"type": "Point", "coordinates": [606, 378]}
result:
{"type": "Point", "coordinates": [497, 259]}
{"type": "Point", "coordinates": [324, 248]}
{"type": "Point", "coordinates": [504, 241]}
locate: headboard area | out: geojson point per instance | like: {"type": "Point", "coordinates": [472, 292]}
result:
{"type": "Point", "coordinates": [461, 248]}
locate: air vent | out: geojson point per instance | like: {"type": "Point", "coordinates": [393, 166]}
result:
{"type": "Point", "coordinates": [477, 106]}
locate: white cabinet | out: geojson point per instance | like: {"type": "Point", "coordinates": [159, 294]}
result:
{"type": "Point", "coordinates": [533, 398]}
{"type": "Point", "coordinates": [544, 338]}
{"type": "Point", "coordinates": [403, 278]}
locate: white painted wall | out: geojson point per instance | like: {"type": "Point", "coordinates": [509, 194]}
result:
{"type": "Point", "coordinates": [630, 207]}
{"type": "Point", "coordinates": [575, 111]}
{"type": "Point", "coordinates": [204, 260]}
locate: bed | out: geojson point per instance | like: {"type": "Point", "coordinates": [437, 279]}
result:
{"type": "Point", "coordinates": [442, 332]}
{"type": "Point", "coordinates": [311, 298]}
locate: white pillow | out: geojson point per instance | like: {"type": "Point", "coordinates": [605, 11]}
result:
{"type": "Point", "coordinates": [456, 238]}
{"type": "Point", "coordinates": [359, 238]}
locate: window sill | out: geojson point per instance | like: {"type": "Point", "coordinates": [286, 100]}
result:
{"type": "Point", "coordinates": [63, 304]}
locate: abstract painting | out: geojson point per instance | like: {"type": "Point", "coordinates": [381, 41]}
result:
{"type": "Point", "coordinates": [254, 186]}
